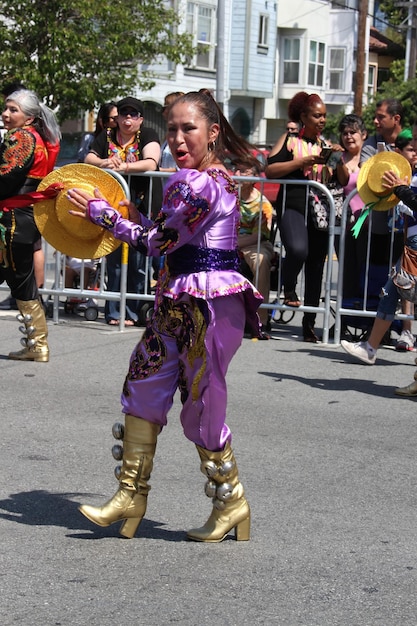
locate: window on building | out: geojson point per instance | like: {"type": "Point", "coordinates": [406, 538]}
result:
{"type": "Point", "coordinates": [383, 76]}
{"type": "Point", "coordinates": [371, 89]}
{"type": "Point", "coordinates": [241, 123]}
{"type": "Point", "coordinates": [316, 64]}
{"type": "Point", "coordinates": [201, 23]}
{"type": "Point", "coordinates": [263, 31]}
{"type": "Point", "coordinates": [345, 4]}
{"type": "Point", "coordinates": [291, 59]}
{"type": "Point", "coordinates": [337, 69]}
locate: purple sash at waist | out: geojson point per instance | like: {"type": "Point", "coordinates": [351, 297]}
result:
{"type": "Point", "coordinates": [189, 259]}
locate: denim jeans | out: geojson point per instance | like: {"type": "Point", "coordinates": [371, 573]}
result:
{"type": "Point", "coordinates": [136, 279]}
{"type": "Point", "coordinates": [389, 294]}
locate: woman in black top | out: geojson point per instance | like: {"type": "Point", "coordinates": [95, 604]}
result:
{"type": "Point", "coordinates": [299, 158]}
{"type": "Point", "coordinates": [128, 149]}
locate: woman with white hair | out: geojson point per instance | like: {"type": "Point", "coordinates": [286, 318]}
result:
{"type": "Point", "coordinates": [27, 154]}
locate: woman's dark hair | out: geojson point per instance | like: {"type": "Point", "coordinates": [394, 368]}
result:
{"type": "Point", "coordinates": [351, 120]}
{"type": "Point", "coordinates": [103, 117]}
{"type": "Point", "coordinates": [301, 103]}
{"type": "Point", "coordinates": [404, 138]}
{"type": "Point", "coordinates": [171, 97]}
{"type": "Point", "coordinates": [247, 162]}
{"type": "Point", "coordinates": [228, 141]}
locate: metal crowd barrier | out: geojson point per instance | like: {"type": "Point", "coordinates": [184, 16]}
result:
{"type": "Point", "coordinates": [362, 311]}
{"type": "Point", "coordinates": [332, 287]}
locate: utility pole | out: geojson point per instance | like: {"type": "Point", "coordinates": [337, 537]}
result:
{"type": "Point", "coordinates": [411, 48]}
{"type": "Point", "coordinates": [360, 56]}
{"type": "Point", "coordinates": [220, 69]}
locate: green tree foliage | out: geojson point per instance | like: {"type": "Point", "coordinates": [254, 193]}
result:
{"type": "Point", "coordinates": [394, 13]}
{"type": "Point", "coordinates": [395, 87]}
{"type": "Point", "coordinates": [77, 54]}
{"type": "Point", "coordinates": [395, 17]}
{"type": "Point", "coordinates": [331, 131]}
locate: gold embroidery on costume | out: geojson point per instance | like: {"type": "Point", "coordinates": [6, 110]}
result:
{"type": "Point", "coordinates": [197, 350]}
{"type": "Point", "coordinates": [183, 321]}
{"type": "Point", "coordinates": [18, 149]}
{"type": "Point", "coordinates": [12, 232]}
{"type": "Point", "coordinates": [149, 356]}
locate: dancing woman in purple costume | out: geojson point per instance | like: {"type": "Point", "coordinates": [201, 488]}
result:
{"type": "Point", "coordinates": [202, 304]}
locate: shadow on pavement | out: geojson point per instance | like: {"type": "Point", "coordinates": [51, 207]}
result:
{"type": "Point", "coordinates": [43, 508]}
{"type": "Point", "coordinates": [366, 386]}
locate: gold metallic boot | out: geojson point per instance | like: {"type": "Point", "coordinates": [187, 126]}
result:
{"type": "Point", "coordinates": [410, 390]}
{"type": "Point", "coordinates": [129, 502]}
{"type": "Point", "coordinates": [32, 315]}
{"type": "Point", "coordinates": [230, 507]}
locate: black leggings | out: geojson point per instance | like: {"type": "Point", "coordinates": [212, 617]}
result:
{"type": "Point", "coordinates": [304, 245]}
{"type": "Point", "coordinates": [20, 234]}
{"type": "Point", "coordinates": [20, 275]}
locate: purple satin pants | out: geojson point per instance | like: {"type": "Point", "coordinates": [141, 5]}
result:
{"type": "Point", "coordinates": [188, 345]}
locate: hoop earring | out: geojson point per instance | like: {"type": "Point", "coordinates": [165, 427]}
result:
{"type": "Point", "coordinates": [212, 146]}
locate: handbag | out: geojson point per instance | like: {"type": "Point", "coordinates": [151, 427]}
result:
{"type": "Point", "coordinates": [405, 276]}
{"type": "Point", "coordinates": [320, 208]}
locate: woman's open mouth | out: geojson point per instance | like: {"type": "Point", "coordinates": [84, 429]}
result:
{"type": "Point", "coordinates": [181, 155]}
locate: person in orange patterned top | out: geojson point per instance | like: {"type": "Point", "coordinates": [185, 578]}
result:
{"type": "Point", "coordinates": [129, 148]}
{"type": "Point", "coordinates": [27, 154]}
{"type": "Point", "coordinates": [254, 207]}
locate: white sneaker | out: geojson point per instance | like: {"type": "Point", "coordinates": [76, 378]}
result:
{"type": "Point", "coordinates": [405, 342]}
{"type": "Point", "coordinates": [359, 350]}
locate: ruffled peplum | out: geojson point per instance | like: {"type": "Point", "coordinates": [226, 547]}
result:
{"type": "Point", "coordinates": [216, 284]}
{"type": "Point", "coordinates": [208, 285]}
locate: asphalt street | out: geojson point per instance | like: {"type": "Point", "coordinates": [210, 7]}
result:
{"type": "Point", "coordinates": [326, 452]}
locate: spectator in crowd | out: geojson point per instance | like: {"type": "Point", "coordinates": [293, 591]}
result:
{"type": "Point", "coordinates": [394, 180]}
{"type": "Point", "coordinates": [299, 158]}
{"type": "Point", "coordinates": [388, 120]}
{"type": "Point", "coordinates": [357, 247]}
{"type": "Point", "coordinates": [293, 128]}
{"type": "Point", "coordinates": [405, 145]}
{"type": "Point", "coordinates": [27, 154]}
{"type": "Point", "coordinates": [254, 207]}
{"type": "Point", "coordinates": [73, 267]}
{"type": "Point", "coordinates": [352, 136]}
{"type": "Point", "coordinates": [106, 118]}
{"type": "Point", "coordinates": [375, 238]}
{"type": "Point", "coordinates": [167, 161]}
{"type": "Point", "coordinates": [129, 148]}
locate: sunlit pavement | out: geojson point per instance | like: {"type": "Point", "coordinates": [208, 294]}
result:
{"type": "Point", "coordinates": [326, 452]}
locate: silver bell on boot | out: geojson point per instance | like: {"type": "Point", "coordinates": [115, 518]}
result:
{"type": "Point", "coordinates": [128, 505]}
{"type": "Point", "coordinates": [35, 345]}
{"type": "Point", "coordinates": [230, 507]}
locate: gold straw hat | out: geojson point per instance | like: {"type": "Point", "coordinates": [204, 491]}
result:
{"type": "Point", "coordinates": [67, 233]}
{"type": "Point", "coordinates": [370, 185]}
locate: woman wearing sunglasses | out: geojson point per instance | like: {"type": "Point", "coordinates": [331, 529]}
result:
{"type": "Point", "coordinates": [129, 148]}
